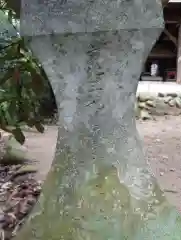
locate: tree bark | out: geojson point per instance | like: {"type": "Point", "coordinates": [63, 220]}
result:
{"type": "Point", "coordinates": [179, 57]}
{"type": "Point", "coordinates": [100, 186]}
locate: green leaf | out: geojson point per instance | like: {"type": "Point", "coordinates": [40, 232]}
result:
{"type": "Point", "coordinates": [7, 76]}
{"type": "Point", "coordinates": [31, 67]}
{"type": "Point", "coordinates": [8, 118]}
{"type": "Point", "coordinates": [23, 60]}
{"type": "Point", "coordinates": [18, 134]}
{"type": "Point", "coordinates": [12, 109]}
{"type": "Point", "coordinates": [40, 128]}
{"type": "Point", "coordinates": [2, 119]}
{"type": "Point", "coordinates": [24, 109]}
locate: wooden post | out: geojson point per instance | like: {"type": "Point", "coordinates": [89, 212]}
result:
{"type": "Point", "coordinates": [179, 56]}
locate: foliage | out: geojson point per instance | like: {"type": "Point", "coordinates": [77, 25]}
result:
{"type": "Point", "coordinates": [21, 81]}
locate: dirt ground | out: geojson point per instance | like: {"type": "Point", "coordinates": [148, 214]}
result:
{"type": "Point", "coordinates": [162, 146]}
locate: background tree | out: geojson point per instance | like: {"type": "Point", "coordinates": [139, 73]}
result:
{"type": "Point", "coordinates": [24, 87]}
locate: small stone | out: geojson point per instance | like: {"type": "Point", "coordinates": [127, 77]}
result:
{"type": "Point", "coordinates": [151, 103]}
{"type": "Point", "coordinates": [143, 105]}
{"type": "Point", "coordinates": [161, 95]}
{"type": "Point", "coordinates": [172, 169]}
{"type": "Point", "coordinates": [172, 103]}
{"type": "Point", "coordinates": [173, 95]}
{"type": "Point", "coordinates": [165, 157]}
{"type": "Point", "coordinates": [6, 185]}
{"type": "Point", "coordinates": [145, 115]}
{"type": "Point", "coordinates": [142, 97]}
{"type": "Point", "coordinates": [178, 102]}
{"type": "Point", "coordinates": [167, 99]}
{"type": "Point", "coordinates": [170, 191]}
{"type": "Point", "coordinates": [161, 173]}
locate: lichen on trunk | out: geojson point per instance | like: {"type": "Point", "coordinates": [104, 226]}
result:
{"type": "Point", "coordinates": [100, 186]}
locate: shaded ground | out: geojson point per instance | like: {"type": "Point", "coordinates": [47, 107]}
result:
{"type": "Point", "coordinates": [162, 145]}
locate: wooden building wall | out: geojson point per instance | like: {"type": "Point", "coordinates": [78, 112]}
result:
{"type": "Point", "coordinates": [167, 50]}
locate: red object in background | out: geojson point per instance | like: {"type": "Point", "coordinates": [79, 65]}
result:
{"type": "Point", "coordinates": [170, 74]}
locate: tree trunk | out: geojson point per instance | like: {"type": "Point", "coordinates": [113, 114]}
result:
{"type": "Point", "coordinates": [99, 186]}
{"type": "Point", "coordinates": [179, 56]}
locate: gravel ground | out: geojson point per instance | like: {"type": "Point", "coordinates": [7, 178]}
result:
{"type": "Point", "coordinates": [162, 146]}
